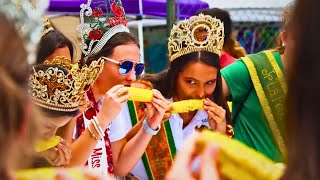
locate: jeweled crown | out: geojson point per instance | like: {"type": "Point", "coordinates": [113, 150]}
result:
{"type": "Point", "coordinates": [46, 26]}
{"type": "Point", "coordinates": [105, 19]}
{"type": "Point", "coordinates": [198, 33]}
{"type": "Point", "coordinates": [61, 85]}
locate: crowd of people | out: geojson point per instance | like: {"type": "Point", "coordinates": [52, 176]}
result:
{"type": "Point", "coordinates": [63, 118]}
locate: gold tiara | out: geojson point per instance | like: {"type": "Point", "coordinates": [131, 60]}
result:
{"type": "Point", "coordinates": [61, 85]}
{"type": "Point", "coordinates": [198, 33]}
{"type": "Point", "coordinates": [46, 26]}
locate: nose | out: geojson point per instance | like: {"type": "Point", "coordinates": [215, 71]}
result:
{"type": "Point", "coordinates": [131, 76]}
{"type": "Point", "coordinates": [201, 93]}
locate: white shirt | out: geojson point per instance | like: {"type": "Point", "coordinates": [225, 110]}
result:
{"type": "Point", "coordinates": [98, 158]}
{"type": "Point", "coordinates": [180, 134]}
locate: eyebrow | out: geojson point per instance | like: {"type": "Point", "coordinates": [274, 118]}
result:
{"type": "Point", "coordinates": [188, 78]}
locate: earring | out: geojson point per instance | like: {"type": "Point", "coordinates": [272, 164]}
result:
{"type": "Point", "coordinates": [283, 44]}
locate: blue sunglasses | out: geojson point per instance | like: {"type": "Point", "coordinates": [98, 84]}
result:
{"type": "Point", "coordinates": [126, 66]}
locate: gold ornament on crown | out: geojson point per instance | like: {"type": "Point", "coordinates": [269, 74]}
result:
{"type": "Point", "coordinates": [198, 33]}
{"type": "Point", "coordinates": [46, 26]}
{"type": "Point", "coordinates": [55, 89]}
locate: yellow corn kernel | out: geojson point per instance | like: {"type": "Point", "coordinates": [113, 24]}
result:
{"type": "Point", "coordinates": [187, 105]}
{"type": "Point", "coordinates": [237, 161]}
{"type": "Point", "coordinates": [140, 95]}
{"type": "Point", "coordinates": [48, 144]}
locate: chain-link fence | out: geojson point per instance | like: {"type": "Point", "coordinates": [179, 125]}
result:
{"type": "Point", "coordinates": [256, 29]}
{"type": "Point", "coordinates": [255, 26]}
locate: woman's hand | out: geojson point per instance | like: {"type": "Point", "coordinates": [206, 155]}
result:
{"type": "Point", "coordinates": [156, 109]}
{"type": "Point", "coordinates": [112, 104]}
{"type": "Point", "coordinates": [187, 166]}
{"type": "Point", "coordinates": [59, 155]}
{"type": "Point", "coordinates": [216, 116]}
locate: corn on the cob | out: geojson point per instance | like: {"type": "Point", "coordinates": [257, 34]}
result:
{"type": "Point", "coordinates": [140, 95]}
{"type": "Point", "coordinates": [187, 105]}
{"type": "Point", "coordinates": [237, 161]}
{"type": "Point", "coordinates": [48, 144]}
{"type": "Point", "coordinates": [49, 173]}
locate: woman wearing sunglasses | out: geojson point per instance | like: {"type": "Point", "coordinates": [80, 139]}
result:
{"type": "Point", "coordinates": [102, 126]}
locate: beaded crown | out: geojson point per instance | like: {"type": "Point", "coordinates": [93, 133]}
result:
{"type": "Point", "coordinates": [198, 33]}
{"type": "Point", "coordinates": [59, 90]}
{"type": "Point", "coordinates": [105, 19]}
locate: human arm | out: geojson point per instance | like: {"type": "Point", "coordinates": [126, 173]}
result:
{"type": "Point", "coordinates": [194, 168]}
{"type": "Point", "coordinates": [111, 106]}
{"type": "Point", "coordinates": [236, 81]}
{"type": "Point", "coordinates": [127, 153]}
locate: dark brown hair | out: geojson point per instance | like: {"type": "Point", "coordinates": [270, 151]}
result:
{"type": "Point", "coordinates": [303, 93]}
{"type": "Point", "coordinates": [166, 81]}
{"type": "Point", "coordinates": [230, 45]}
{"type": "Point", "coordinates": [14, 99]}
{"type": "Point", "coordinates": [50, 42]}
{"type": "Point", "coordinates": [118, 39]}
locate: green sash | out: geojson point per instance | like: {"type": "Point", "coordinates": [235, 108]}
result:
{"type": "Point", "coordinates": [270, 86]}
{"type": "Point", "coordinates": [161, 150]}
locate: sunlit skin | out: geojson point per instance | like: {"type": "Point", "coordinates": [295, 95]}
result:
{"type": "Point", "coordinates": [196, 81]}
{"type": "Point", "coordinates": [60, 52]}
{"type": "Point", "coordinates": [52, 125]}
{"type": "Point", "coordinates": [110, 75]}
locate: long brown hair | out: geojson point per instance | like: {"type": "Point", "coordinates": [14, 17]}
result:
{"type": "Point", "coordinates": [303, 85]}
{"type": "Point", "coordinates": [118, 39]}
{"type": "Point", "coordinates": [15, 117]}
{"type": "Point", "coordinates": [166, 81]}
{"type": "Point", "coordinates": [50, 42]}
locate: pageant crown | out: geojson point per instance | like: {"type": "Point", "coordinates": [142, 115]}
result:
{"type": "Point", "coordinates": [105, 19]}
{"type": "Point", "coordinates": [61, 85]}
{"type": "Point", "coordinates": [27, 19]}
{"type": "Point", "coordinates": [198, 33]}
{"type": "Point", "coordinates": [46, 26]}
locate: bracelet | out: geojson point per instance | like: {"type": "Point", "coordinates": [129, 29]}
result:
{"type": "Point", "coordinates": [92, 135]}
{"type": "Point", "coordinates": [148, 129]}
{"type": "Point", "coordinates": [230, 131]}
{"type": "Point", "coordinates": [95, 119]}
{"type": "Point", "coordinates": [97, 128]}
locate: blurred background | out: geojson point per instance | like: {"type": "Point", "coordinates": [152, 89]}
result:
{"type": "Point", "coordinates": [256, 23]}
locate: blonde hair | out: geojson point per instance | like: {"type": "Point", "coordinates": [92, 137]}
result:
{"type": "Point", "coordinates": [286, 17]}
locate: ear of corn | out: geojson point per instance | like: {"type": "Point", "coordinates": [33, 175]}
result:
{"type": "Point", "coordinates": [48, 144]}
{"type": "Point", "coordinates": [140, 95]}
{"type": "Point", "coordinates": [237, 161]}
{"type": "Point", "coordinates": [187, 105]}
{"type": "Point", "coordinates": [49, 173]}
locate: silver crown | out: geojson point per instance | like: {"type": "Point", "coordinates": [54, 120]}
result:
{"type": "Point", "coordinates": [105, 20]}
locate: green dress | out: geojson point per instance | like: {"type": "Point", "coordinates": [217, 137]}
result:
{"type": "Point", "coordinates": [251, 126]}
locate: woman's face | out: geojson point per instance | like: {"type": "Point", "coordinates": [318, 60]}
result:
{"type": "Point", "coordinates": [110, 75]}
{"type": "Point", "coordinates": [60, 52]}
{"type": "Point", "coordinates": [196, 81]}
{"type": "Point", "coordinates": [50, 128]}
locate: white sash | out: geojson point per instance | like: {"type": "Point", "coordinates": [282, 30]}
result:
{"type": "Point", "coordinates": [98, 158]}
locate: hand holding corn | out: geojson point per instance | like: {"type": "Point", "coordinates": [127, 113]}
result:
{"type": "Point", "coordinates": [144, 95]}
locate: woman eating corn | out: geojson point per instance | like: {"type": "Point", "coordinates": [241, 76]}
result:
{"type": "Point", "coordinates": [100, 132]}
{"type": "Point", "coordinates": [193, 84]}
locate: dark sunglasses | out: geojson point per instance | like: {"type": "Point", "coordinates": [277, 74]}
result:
{"type": "Point", "coordinates": [126, 66]}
